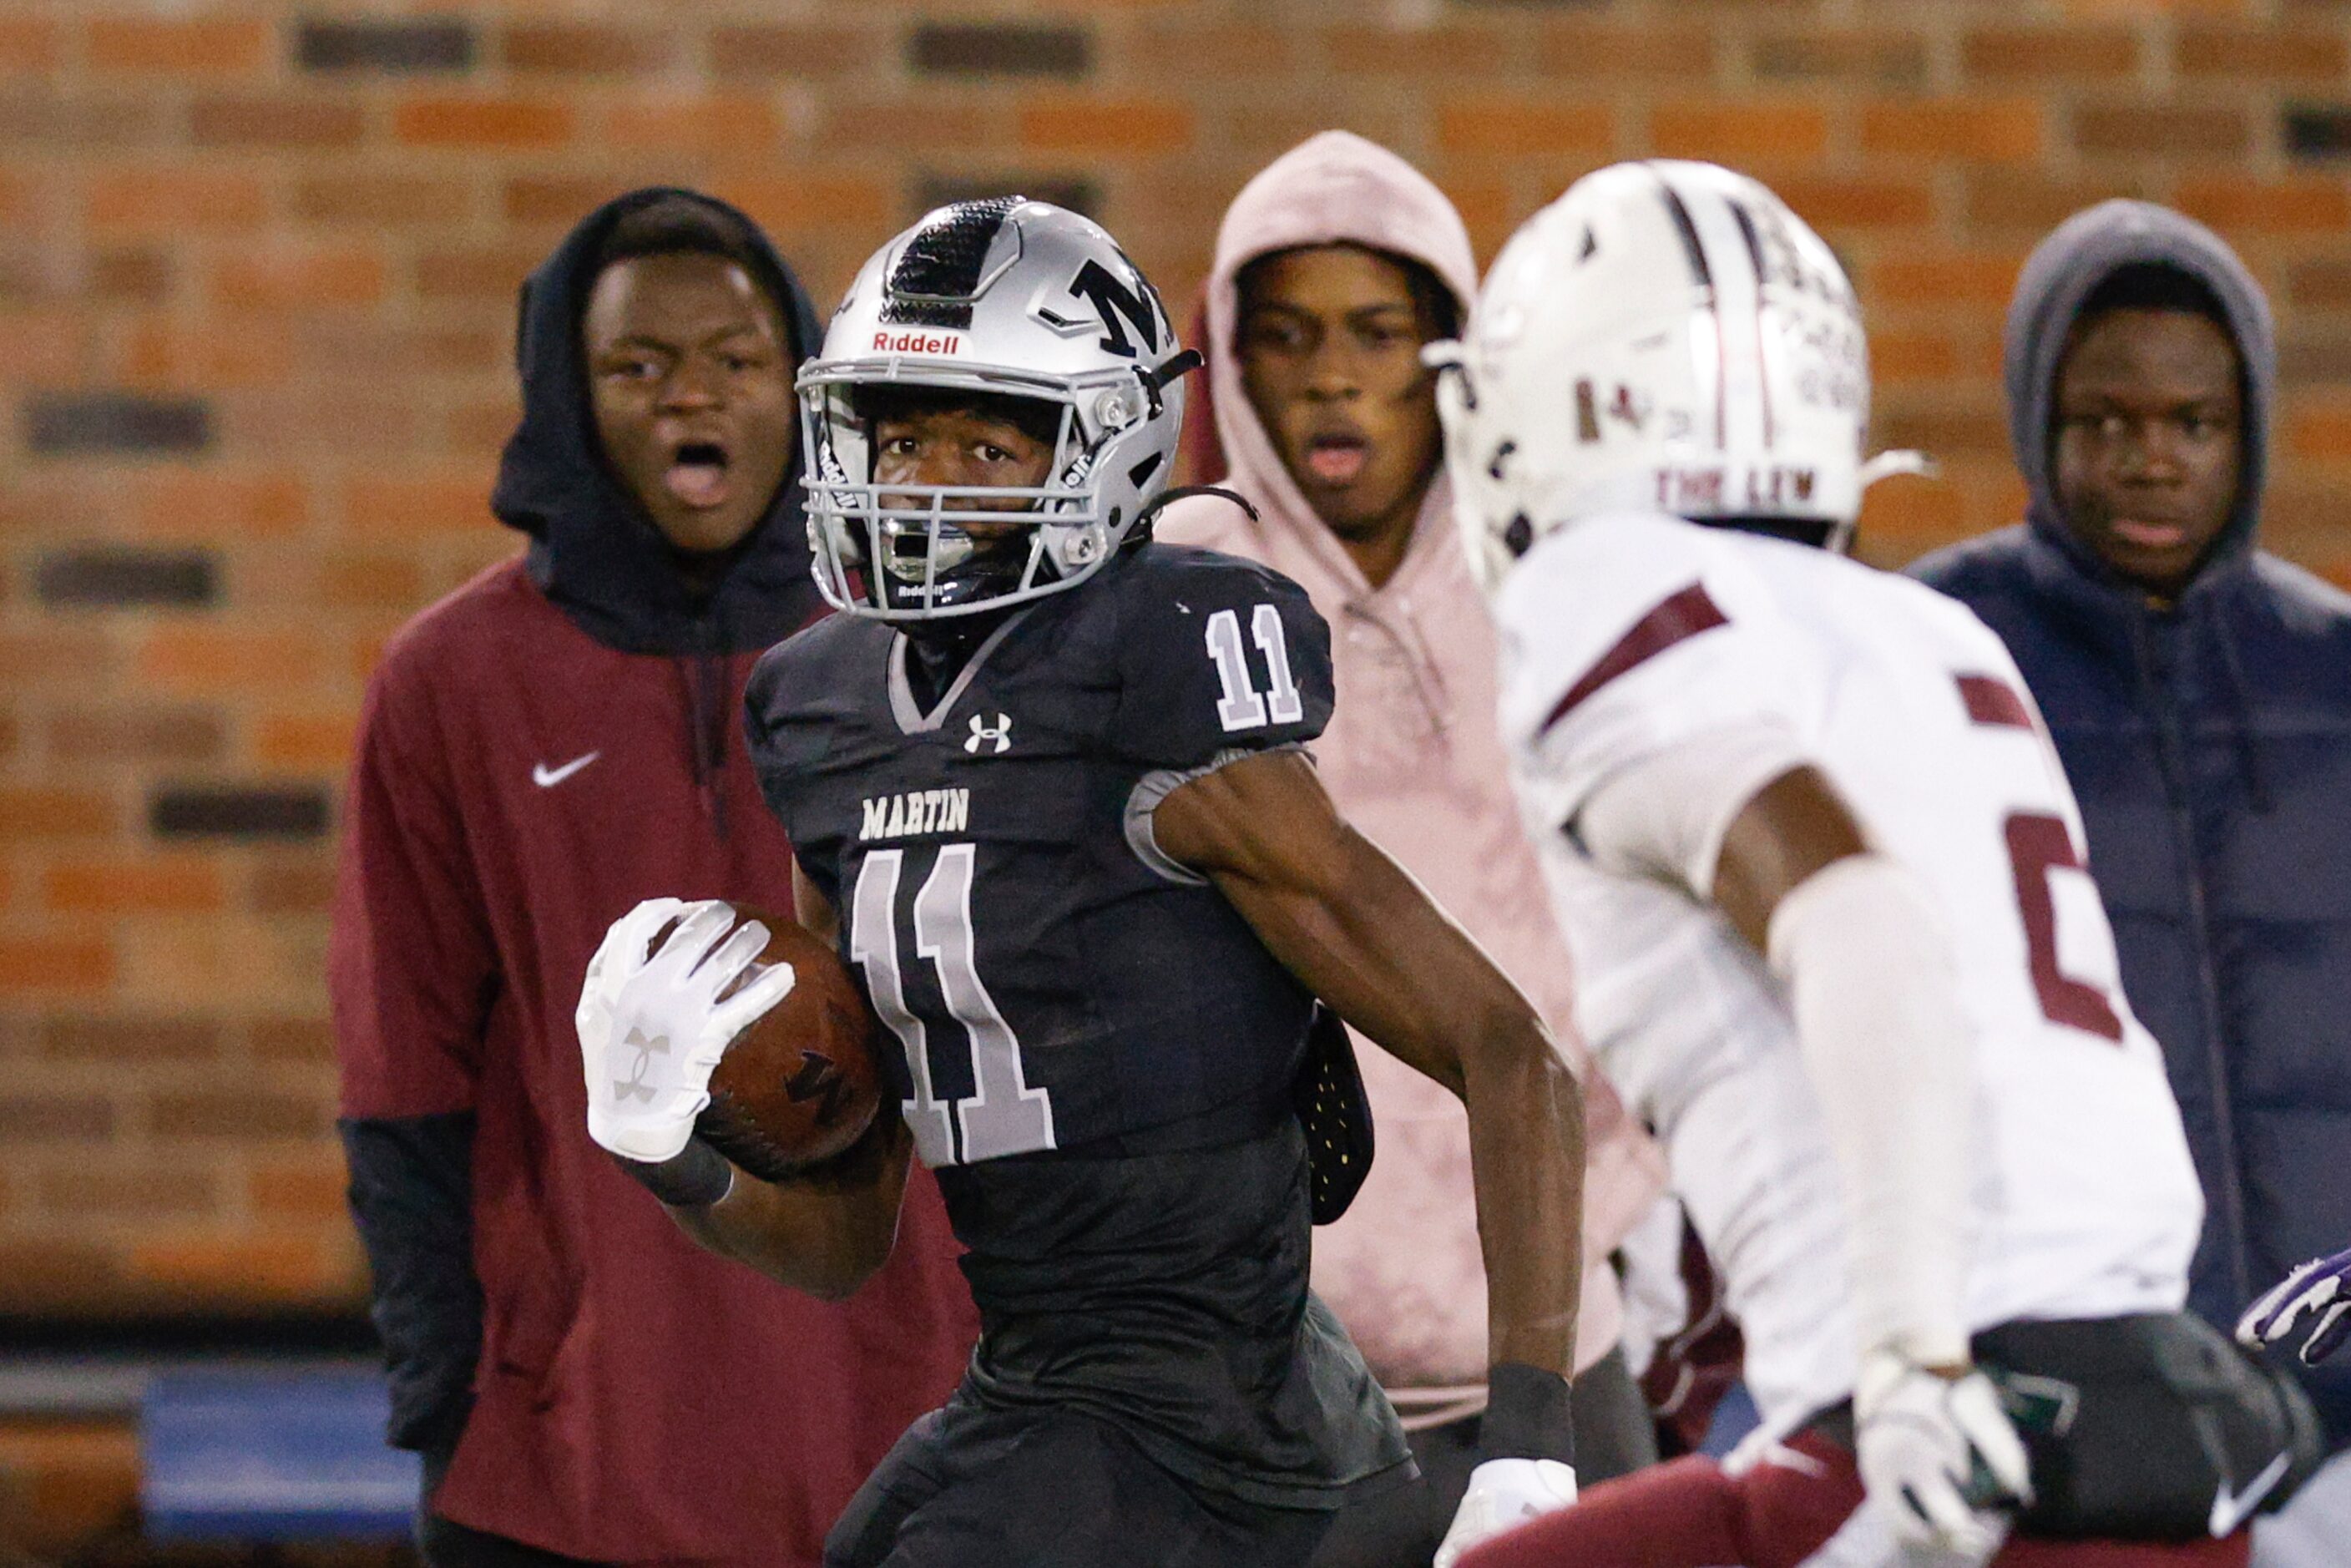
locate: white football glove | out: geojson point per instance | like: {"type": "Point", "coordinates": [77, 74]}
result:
{"type": "Point", "coordinates": [2316, 1296]}
{"type": "Point", "coordinates": [1921, 1439]}
{"type": "Point", "coordinates": [653, 1028]}
{"type": "Point", "coordinates": [1504, 1494]}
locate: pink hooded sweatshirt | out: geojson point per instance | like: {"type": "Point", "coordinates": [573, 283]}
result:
{"type": "Point", "coordinates": [1413, 760]}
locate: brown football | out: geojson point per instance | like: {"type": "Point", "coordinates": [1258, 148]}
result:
{"type": "Point", "coordinates": [801, 1085]}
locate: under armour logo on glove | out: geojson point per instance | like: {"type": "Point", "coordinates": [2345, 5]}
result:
{"type": "Point", "coordinates": [995, 739]}
{"type": "Point", "coordinates": [635, 1087]}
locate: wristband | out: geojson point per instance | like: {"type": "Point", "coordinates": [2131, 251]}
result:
{"type": "Point", "coordinates": [1527, 1414]}
{"type": "Point", "coordinates": [694, 1177]}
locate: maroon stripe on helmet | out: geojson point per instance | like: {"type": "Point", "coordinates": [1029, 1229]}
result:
{"type": "Point", "coordinates": [1695, 248]}
{"type": "Point", "coordinates": [1762, 370]}
{"type": "Point", "coordinates": [1681, 616]}
{"type": "Point", "coordinates": [1993, 701]}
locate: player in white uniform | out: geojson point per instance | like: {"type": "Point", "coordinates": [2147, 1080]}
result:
{"type": "Point", "coordinates": [1820, 874]}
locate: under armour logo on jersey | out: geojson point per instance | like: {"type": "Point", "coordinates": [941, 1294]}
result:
{"type": "Point", "coordinates": [634, 1085]}
{"type": "Point", "coordinates": [996, 739]}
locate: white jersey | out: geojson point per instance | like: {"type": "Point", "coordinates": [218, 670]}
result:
{"type": "Point", "coordinates": [1656, 674]}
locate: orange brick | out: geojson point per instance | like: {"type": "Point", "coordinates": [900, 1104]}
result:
{"type": "Point", "coordinates": [1835, 201]}
{"type": "Point", "coordinates": [193, 47]}
{"type": "Point", "coordinates": [1868, 57]}
{"type": "Point", "coordinates": [382, 201]}
{"type": "Point", "coordinates": [1902, 511]}
{"type": "Point", "coordinates": [558, 48]}
{"type": "Point", "coordinates": [731, 125]}
{"type": "Point", "coordinates": [2260, 54]}
{"type": "Point", "coordinates": [369, 582]}
{"type": "Point", "coordinates": [795, 52]}
{"type": "Point", "coordinates": [406, 506]}
{"type": "Point", "coordinates": [1896, 357]}
{"type": "Point", "coordinates": [149, 1193]}
{"type": "Point", "coordinates": [1106, 127]}
{"type": "Point", "coordinates": [293, 280]}
{"type": "Point", "coordinates": [2051, 55]}
{"type": "Point", "coordinates": [229, 659]}
{"type": "Point", "coordinates": [1364, 48]}
{"type": "Point", "coordinates": [38, 345]}
{"type": "Point", "coordinates": [792, 206]}
{"type": "Point", "coordinates": [28, 44]}
{"type": "Point", "coordinates": [275, 122]}
{"type": "Point", "coordinates": [65, 966]}
{"type": "Point", "coordinates": [474, 274]}
{"type": "Point", "coordinates": [2319, 433]}
{"type": "Point", "coordinates": [171, 204]}
{"type": "Point", "coordinates": [228, 1268]}
{"type": "Point", "coordinates": [1986, 130]}
{"type": "Point", "coordinates": [1740, 133]}
{"type": "Point", "coordinates": [36, 813]}
{"type": "Point", "coordinates": [189, 504]}
{"type": "Point", "coordinates": [2298, 207]}
{"type": "Point", "coordinates": [306, 743]}
{"type": "Point", "coordinates": [1487, 127]}
{"type": "Point", "coordinates": [1652, 51]}
{"type": "Point", "coordinates": [54, 653]}
{"type": "Point", "coordinates": [172, 354]}
{"type": "Point", "coordinates": [562, 200]}
{"type": "Point", "coordinates": [2133, 129]}
{"type": "Point", "coordinates": [1942, 280]}
{"type": "Point", "coordinates": [293, 887]}
{"type": "Point", "coordinates": [312, 1188]}
{"type": "Point", "coordinates": [475, 122]}
{"type": "Point", "coordinates": [181, 884]}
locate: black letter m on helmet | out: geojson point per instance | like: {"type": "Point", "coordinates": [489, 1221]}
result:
{"type": "Point", "coordinates": [1119, 308]}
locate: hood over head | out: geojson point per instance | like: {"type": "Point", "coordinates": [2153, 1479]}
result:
{"type": "Point", "coordinates": [2062, 273]}
{"type": "Point", "coordinates": [1333, 188]}
{"type": "Point", "coordinates": [593, 550]}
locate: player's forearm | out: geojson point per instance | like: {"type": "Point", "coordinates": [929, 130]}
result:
{"type": "Point", "coordinates": [824, 1235]}
{"type": "Point", "coordinates": [1526, 1153]}
{"type": "Point", "coordinates": [1370, 942]}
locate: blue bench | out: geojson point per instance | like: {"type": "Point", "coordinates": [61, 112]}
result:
{"type": "Point", "coordinates": [261, 1453]}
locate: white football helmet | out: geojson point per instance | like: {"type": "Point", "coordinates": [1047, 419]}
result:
{"type": "Point", "coordinates": [1666, 337]}
{"type": "Point", "coordinates": [1000, 297]}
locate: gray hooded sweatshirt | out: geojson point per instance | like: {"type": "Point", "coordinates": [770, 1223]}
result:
{"type": "Point", "coordinates": [2209, 744]}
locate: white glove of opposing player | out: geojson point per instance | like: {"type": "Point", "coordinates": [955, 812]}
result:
{"type": "Point", "coordinates": [1921, 1439]}
{"type": "Point", "coordinates": [651, 1028]}
{"type": "Point", "coordinates": [2318, 1296]}
{"type": "Point", "coordinates": [1504, 1494]}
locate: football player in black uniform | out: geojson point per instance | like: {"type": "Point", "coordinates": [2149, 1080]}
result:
{"type": "Point", "coordinates": [1047, 787]}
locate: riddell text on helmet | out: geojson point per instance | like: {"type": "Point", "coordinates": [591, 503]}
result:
{"type": "Point", "coordinates": [918, 342]}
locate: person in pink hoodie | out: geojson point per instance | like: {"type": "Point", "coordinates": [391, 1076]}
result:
{"type": "Point", "coordinates": [1334, 265]}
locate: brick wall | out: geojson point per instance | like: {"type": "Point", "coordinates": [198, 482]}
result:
{"type": "Point", "coordinates": [256, 265]}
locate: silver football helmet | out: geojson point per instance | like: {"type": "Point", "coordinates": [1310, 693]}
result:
{"type": "Point", "coordinates": [996, 299]}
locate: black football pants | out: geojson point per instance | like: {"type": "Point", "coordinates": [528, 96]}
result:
{"type": "Point", "coordinates": [981, 1488]}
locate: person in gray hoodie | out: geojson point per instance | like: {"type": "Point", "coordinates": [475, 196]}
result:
{"type": "Point", "coordinates": [2198, 691]}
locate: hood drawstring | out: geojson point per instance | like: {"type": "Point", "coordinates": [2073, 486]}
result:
{"type": "Point", "coordinates": [2246, 744]}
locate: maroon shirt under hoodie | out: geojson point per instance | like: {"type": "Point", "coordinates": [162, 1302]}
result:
{"type": "Point", "coordinates": [637, 1399]}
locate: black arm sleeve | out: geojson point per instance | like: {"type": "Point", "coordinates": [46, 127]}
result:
{"type": "Point", "coordinates": [412, 1194]}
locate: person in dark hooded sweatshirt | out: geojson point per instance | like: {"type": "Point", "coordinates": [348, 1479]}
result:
{"type": "Point", "coordinates": [2200, 694]}
{"type": "Point", "coordinates": [539, 751]}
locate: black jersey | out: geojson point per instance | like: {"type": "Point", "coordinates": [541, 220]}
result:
{"type": "Point", "coordinates": [1098, 1052]}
